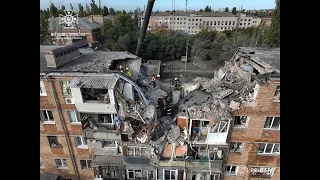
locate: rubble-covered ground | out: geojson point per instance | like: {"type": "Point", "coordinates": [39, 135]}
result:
{"type": "Point", "coordinates": [213, 99]}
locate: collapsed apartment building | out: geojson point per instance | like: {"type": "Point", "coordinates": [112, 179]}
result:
{"type": "Point", "coordinates": [133, 129]}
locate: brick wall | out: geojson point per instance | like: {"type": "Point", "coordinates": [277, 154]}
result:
{"type": "Point", "coordinates": [47, 153]}
{"type": "Point", "coordinates": [259, 110]}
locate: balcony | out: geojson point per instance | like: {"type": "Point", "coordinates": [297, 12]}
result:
{"type": "Point", "coordinates": [94, 94]}
{"type": "Point", "coordinates": [201, 132]}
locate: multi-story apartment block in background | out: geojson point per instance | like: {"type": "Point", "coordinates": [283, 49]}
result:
{"type": "Point", "coordinates": [104, 116]}
{"type": "Point", "coordinates": [193, 22]}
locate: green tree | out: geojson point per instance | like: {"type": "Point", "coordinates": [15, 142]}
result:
{"type": "Point", "coordinates": [200, 10]}
{"type": "Point", "coordinates": [43, 27]}
{"type": "Point", "coordinates": [256, 13]}
{"type": "Point", "coordinates": [272, 36]}
{"type": "Point", "coordinates": [105, 11]}
{"type": "Point", "coordinates": [88, 11]}
{"type": "Point", "coordinates": [63, 7]}
{"type": "Point", "coordinates": [112, 12]}
{"type": "Point", "coordinates": [234, 10]}
{"type": "Point", "coordinates": [226, 10]}
{"type": "Point", "coordinates": [71, 7]}
{"type": "Point", "coordinates": [54, 10]}
{"type": "Point", "coordinates": [124, 12]}
{"type": "Point", "coordinates": [207, 9]}
{"type": "Point", "coordinates": [95, 10]}
{"type": "Point", "coordinates": [81, 10]}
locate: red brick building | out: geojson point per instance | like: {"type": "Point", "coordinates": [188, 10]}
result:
{"type": "Point", "coordinates": [255, 139]}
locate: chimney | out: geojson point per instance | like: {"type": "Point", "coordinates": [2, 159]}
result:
{"type": "Point", "coordinates": [62, 55]}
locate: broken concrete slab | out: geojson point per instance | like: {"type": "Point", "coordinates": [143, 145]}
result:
{"type": "Point", "coordinates": [174, 133]}
{"type": "Point", "coordinates": [234, 105]}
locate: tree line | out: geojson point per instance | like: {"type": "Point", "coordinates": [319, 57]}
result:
{"type": "Point", "coordinates": [164, 44]}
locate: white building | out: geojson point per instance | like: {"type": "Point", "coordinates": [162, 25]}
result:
{"type": "Point", "coordinates": [192, 24]}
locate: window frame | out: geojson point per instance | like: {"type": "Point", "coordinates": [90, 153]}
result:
{"type": "Point", "coordinates": [76, 117]}
{"type": "Point", "coordinates": [275, 93]}
{"type": "Point", "coordinates": [229, 173]}
{"type": "Point", "coordinates": [41, 164]}
{"type": "Point", "coordinates": [133, 171]}
{"type": "Point", "coordinates": [43, 91]}
{"type": "Point", "coordinates": [110, 147]}
{"type": "Point", "coordinates": [272, 121]}
{"type": "Point", "coordinates": [236, 143]}
{"type": "Point", "coordinates": [135, 154]}
{"type": "Point", "coordinates": [88, 165]}
{"type": "Point", "coordinates": [272, 148]}
{"type": "Point", "coordinates": [82, 140]}
{"type": "Point", "coordinates": [63, 163]}
{"type": "Point", "coordinates": [47, 121]}
{"type": "Point", "coordinates": [246, 124]}
{"type": "Point", "coordinates": [170, 170]}
{"type": "Point", "coordinates": [56, 144]}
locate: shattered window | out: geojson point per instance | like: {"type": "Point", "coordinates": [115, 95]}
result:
{"type": "Point", "coordinates": [46, 116]}
{"type": "Point", "coordinates": [262, 172]}
{"type": "Point", "coordinates": [109, 144]}
{"type": "Point", "coordinates": [61, 163]}
{"type": "Point", "coordinates": [85, 164]}
{"type": "Point", "coordinates": [240, 121]}
{"type": "Point", "coordinates": [235, 146]}
{"type": "Point", "coordinates": [272, 123]}
{"type": "Point", "coordinates": [90, 94]}
{"type": "Point", "coordinates": [277, 93]}
{"type": "Point", "coordinates": [53, 141]}
{"type": "Point", "coordinates": [269, 148]}
{"type": "Point", "coordinates": [231, 170]}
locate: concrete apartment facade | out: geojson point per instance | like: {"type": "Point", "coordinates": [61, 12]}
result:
{"type": "Point", "coordinates": [192, 23]}
{"type": "Point", "coordinates": [100, 121]}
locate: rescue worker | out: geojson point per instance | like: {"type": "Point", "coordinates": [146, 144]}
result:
{"type": "Point", "coordinates": [128, 72]}
{"type": "Point", "coordinates": [154, 81]}
{"type": "Point", "coordinates": [120, 68]}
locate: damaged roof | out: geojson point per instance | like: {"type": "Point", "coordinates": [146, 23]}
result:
{"type": "Point", "coordinates": [94, 82]}
{"type": "Point", "coordinates": [89, 61]}
{"type": "Point", "coordinates": [264, 56]}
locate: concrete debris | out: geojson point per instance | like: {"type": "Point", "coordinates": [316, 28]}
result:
{"type": "Point", "coordinates": [126, 127]}
{"type": "Point", "coordinates": [234, 105]}
{"type": "Point", "coordinates": [174, 133]}
{"type": "Point", "coordinates": [155, 95]}
{"type": "Point", "coordinates": [142, 138]}
{"type": "Point", "coordinates": [224, 93]}
{"type": "Point", "coordinates": [148, 113]}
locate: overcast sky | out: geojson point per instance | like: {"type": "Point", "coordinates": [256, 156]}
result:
{"type": "Point", "coordinates": [163, 5]}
